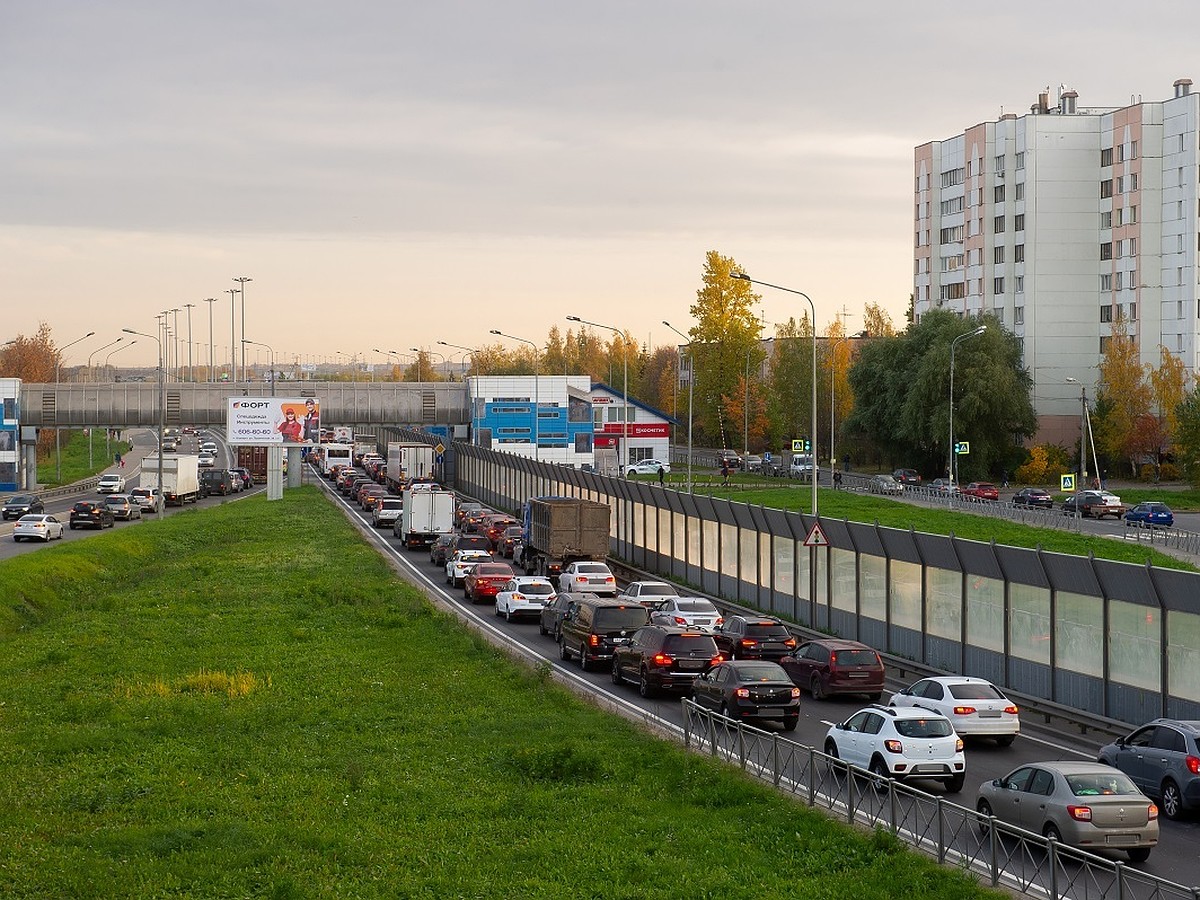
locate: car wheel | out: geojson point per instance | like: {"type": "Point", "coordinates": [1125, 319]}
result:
{"type": "Point", "coordinates": [816, 689]}
{"type": "Point", "coordinates": [880, 770]}
{"type": "Point", "coordinates": [563, 652]}
{"type": "Point", "coordinates": [645, 688]}
{"type": "Point", "coordinates": [16, 539]}
{"type": "Point", "coordinates": [790, 723]}
{"type": "Point", "coordinates": [874, 698]}
{"type": "Point", "coordinates": [831, 749]}
{"type": "Point", "coordinates": [616, 671]}
{"type": "Point", "coordinates": [725, 710]}
{"type": "Point", "coordinates": [955, 784]}
{"type": "Point", "coordinates": [542, 627]}
{"type": "Point", "coordinates": [583, 660]}
{"type": "Point", "coordinates": [1172, 800]}
{"type": "Point", "coordinates": [508, 616]}
{"type": "Point", "coordinates": [985, 811]}
{"type": "Point", "coordinates": [73, 526]}
{"type": "Point", "coordinates": [1005, 740]}
{"type": "Point", "coordinates": [1051, 832]}
{"type": "Point", "coordinates": [1139, 854]}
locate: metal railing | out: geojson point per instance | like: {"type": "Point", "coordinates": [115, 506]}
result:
{"type": "Point", "coordinates": [995, 853]}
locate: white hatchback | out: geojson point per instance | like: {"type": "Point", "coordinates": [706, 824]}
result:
{"type": "Point", "coordinates": [974, 706]}
{"type": "Point", "coordinates": [524, 597]}
{"type": "Point", "coordinates": [111, 483]}
{"type": "Point", "coordinates": [900, 743]}
{"type": "Point", "coordinates": [461, 564]}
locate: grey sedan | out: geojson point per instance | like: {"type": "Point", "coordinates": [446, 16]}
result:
{"type": "Point", "coordinates": [1085, 805]}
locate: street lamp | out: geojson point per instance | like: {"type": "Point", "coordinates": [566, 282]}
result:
{"type": "Point", "coordinates": [272, 352]}
{"type": "Point", "coordinates": [97, 350]}
{"type": "Point", "coordinates": [953, 455]}
{"type": "Point", "coordinates": [417, 351]}
{"type": "Point", "coordinates": [537, 400]}
{"type": "Point", "coordinates": [242, 281]}
{"type": "Point", "coordinates": [624, 387]}
{"type": "Point", "coordinates": [232, 292]}
{"type": "Point", "coordinates": [162, 409]}
{"type": "Point", "coordinates": [175, 344]}
{"type": "Point", "coordinates": [469, 350]}
{"type": "Point", "coordinates": [691, 392]}
{"type": "Point", "coordinates": [57, 445]}
{"type": "Point", "coordinates": [742, 276]}
{"type": "Point", "coordinates": [1084, 432]}
{"type": "Point", "coordinates": [191, 371]}
{"type": "Point", "coordinates": [212, 371]}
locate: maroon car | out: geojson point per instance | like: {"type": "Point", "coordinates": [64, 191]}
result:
{"type": "Point", "coordinates": [828, 666]}
{"type": "Point", "coordinates": [485, 580]}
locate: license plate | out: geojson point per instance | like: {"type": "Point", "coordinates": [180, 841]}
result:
{"type": "Point", "coordinates": [989, 714]}
{"type": "Point", "coordinates": [691, 664]}
{"type": "Point", "coordinates": [1121, 840]}
{"type": "Point", "coordinates": [858, 674]}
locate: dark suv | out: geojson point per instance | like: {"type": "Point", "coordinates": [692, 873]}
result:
{"type": "Point", "coordinates": [744, 637]}
{"type": "Point", "coordinates": [86, 514]}
{"type": "Point", "coordinates": [1163, 759]}
{"type": "Point", "coordinates": [833, 666]}
{"type": "Point", "coordinates": [217, 481]}
{"type": "Point", "coordinates": [661, 657]}
{"type": "Point", "coordinates": [594, 626]}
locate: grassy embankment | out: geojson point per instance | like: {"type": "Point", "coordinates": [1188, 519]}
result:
{"type": "Point", "coordinates": [243, 701]}
{"type": "Point", "coordinates": [75, 464]}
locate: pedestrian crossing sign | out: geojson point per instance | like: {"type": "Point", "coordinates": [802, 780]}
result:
{"type": "Point", "coordinates": [1066, 483]}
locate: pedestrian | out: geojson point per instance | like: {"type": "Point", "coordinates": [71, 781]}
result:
{"type": "Point", "coordinates": [725, 472]}
{"type": "Point", "coordinates": [662, 476]}
{"type": "Point", "coordinates": [1004, 478]}
{"type": "Point", "coordinates": [837, 481]}
{"type": "Point", "coordinates": [120, 460]}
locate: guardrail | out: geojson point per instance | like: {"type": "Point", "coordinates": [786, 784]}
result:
{"type": "Point", "coordinates": [999, 854]}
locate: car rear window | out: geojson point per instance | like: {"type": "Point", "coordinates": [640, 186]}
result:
{"type": "Point", "coordinates": [592, 569]}
{"type": "Point", "coordinates": [698, 606]}
{"type": "Point", "coordinates": [767, 631]}
{"type": "Point", "coordinates": [975, 692]}
{"type": "Point", "coordinates": [924, 728]}
{"type": "Point", "coordinates": [856, 658]}
{"type": "Point", "coordinates": [540, 589]}
{"type": "Point", "coordinates": [473, 543]}
{"type": "Point", "coordinates": [1101, 783]}
{"type": "Point", "coordinates": [690, 643]}
{"type": "Point", "coordinates": [657, 590]}
{"type": "Point", "coordinates": [627, 617]}
{"type": "Point", "coordinates": [762, 672]}
{"type": "Point", "coordinates": [484, 569]}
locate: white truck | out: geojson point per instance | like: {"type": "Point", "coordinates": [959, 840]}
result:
{"type": "Point", "coordinates": [180, 477]}
{"type": "Point", "coordinates": [425, 516]}
{"type": "Point", "coordinates": [335, 455]}
{"type": "Point", "coordinates": [407, 460]}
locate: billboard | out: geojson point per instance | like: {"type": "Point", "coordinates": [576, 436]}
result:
{"type": "Point", "coordinates": [267, 421]}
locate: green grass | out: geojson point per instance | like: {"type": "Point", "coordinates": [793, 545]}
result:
{"type": "Point", "coordinates": [75, 464]}
{"type": "Point", "coordinates": [898, 514]}
{"type": "Point", "coordinates": [243, 701]}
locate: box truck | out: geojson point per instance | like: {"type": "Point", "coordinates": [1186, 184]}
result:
{"type": "Point", "coordinates": [408, 460]}
{"type": "Point", "coordinates": [424, 516]}
{"type": "Point", "coordinates": [180, 473]}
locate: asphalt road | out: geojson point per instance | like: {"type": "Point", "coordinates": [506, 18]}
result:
{"type": "Point", "coordinates": [1174, 859]}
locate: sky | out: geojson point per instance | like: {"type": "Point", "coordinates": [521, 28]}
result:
{"type": "Point", "coordinates": [390, 174]}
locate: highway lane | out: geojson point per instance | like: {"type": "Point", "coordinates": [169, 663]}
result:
{"type": "Point", "coordinates": [1174, 859]}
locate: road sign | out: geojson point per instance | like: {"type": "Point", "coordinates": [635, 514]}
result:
{"type": "Point", "coordinates": [801, 445]}
{"type": "Point", "coordinates": [1066, 483]}
{"type": "Point", "coordinates": [440, 448]}
{"type": "Point", "coordinates": [816, 537]}
{"type": "Point", "coordinates": [962, 448]}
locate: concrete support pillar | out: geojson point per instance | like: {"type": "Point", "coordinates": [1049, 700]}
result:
{"type": "Point", "coordinates": [295, 466]}
{"type": "Point", "coordinates": [275, 473]}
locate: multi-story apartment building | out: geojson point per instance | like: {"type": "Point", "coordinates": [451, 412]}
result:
{"type": "Point", "coordinates": [1057, 222]}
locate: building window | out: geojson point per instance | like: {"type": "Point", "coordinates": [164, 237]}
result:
{"type": "Point", "coordinates": [1019, 222]}
{"type": "Point", "coordinates": [1133, 181]}
{"type": "Point", "coordinates": [1120, 185]}
{"type": "Point", "coordinates": [1020, 191]}
{"type": "Point", "coordinates": [1106, 156]}
{"type": "Point", "coordinates": [1120, 248]}
{"type": "Point", "coordinates": [998, 224]}
{"type": "Point", "coordinates": [998, 194]}
{"type": "Point", "coordinates": [1106, 283]}
{"type": "Point", "coordinates": [1132, 312]}
{"type": "Point", "coordinates": [953, 291]}
{"type": "Point", "coordinates": [1118, 281]}
{"type": "Point", "coordinates": [1133, 246]}
{"type": "Point", "coordinates": [1106, 220]}
{"type": "Point", "coordinates": [1000, 163]}
{"type": "Point", "coordinates": [998, 312]}
{"type": "Point", "coordinates": [1019, 253]}
{"type": "Point", "coordinates": [1106, 250]}
{"type": "Point", "coordinates": [1019, 315]}
{"type": "Point", "coordinates": [1131, 216]}
{"type": "Point", "coordinates": [951, 178]}
{"type": "Point", "coordinates": [1020, 285]}
{"type": "Point", "coordinates": [1117, 212]}
{"type": "Point", "coordinates": [1104, 345]}
{"type": "Point", "coordinates": [1021, 160]}
{"type": "Point", "coordinates": [1179, 209]}
{"type": "Point", "coordinates": [998, 256]}
{"type": "Point", "coordinates": [1132, 281]}
{"type": "Point", "coordinates": [952, 235]}
{"type": "Point", "coordinates": [998, 286]}
{"type": "Point", "coordinates": [1133, 150]}
{"type": "Point", "coordinates": [951, 206]}
{"type": "Point", "coordinates": [1179, 272]}
{"type": "Point", "coordinates": [1106, 313]}
{"type": "Point", "coordinates": [1106, 188]}
{"type": "Point", "coordinates": [952, 263]}
{"type": "Point", "coordinates": [1120, 153]}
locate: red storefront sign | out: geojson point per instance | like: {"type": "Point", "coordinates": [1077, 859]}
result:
{"type": "Point", "coordinates": [637, 430]}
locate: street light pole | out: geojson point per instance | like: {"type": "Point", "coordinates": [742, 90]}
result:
{"type": "Point", "coordinates": [57, 443]}
{"type": "Point", "coordinates": [1080, 484]}
{"type": "Point", "coordinates": [272, 352]}
{"type": "Point", "coordinates": [175, 334]}
{"type": "Point", "coordinates": [832, 408]}
{"type": "Point", "coordinates": [232, 292]}
{"type": "Point", "coordinates": [742, 276]}
{"type": "Point", "coordinates": [162, 410]}
{"type": "Point", "coordinates": [469, 350]}
{"type": "Point", "coordinates": [691, 392]}
{"type": "Point", "coordinates": [212, 372]}
{"type": "Point", "coordinates": [954, 456]}
{"type": "Point", "coordinates": [191, 370]}
{"type": "Point", "coordinates": [624, 387]}
{"type": "Point", "coordinates": [97, 350]}
{"type": "Point", "coordinates": [537, 399]}
{"type": "Point", "coordinates": [242, 279]}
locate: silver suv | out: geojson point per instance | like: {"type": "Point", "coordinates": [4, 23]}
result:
{"type": "Point", "coordinates": [1163, 759]}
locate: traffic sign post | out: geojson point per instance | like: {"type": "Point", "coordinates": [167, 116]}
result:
{"type": "Point", "coordinates": [816, 537]}
{"type": "Point", "coordinates": [1067, 483]}
{"type": "Point", "coordinates": [962, 448]}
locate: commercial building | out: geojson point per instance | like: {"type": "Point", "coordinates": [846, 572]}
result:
{"type": "Point", "coordinates": [1059, 222]}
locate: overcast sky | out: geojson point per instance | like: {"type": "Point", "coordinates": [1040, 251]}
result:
{"type": "Point", "coordinates": [391, 174]}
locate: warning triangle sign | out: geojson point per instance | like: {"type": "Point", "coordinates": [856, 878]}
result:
{"type": "Point", "coordinates": [816, 537]}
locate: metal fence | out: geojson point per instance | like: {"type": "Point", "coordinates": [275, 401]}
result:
{"type": "Point", "coordinates": [994, 852]}
{"type": "Point", "coordinates": [1114, 640]}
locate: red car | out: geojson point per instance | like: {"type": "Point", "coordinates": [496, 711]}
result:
{"type": "Point", "coordinates": [485, 580]}
{"type": "Point", "coordinates": [981, 490]}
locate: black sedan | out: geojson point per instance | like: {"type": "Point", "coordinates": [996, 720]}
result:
{"type": "Point", "coordinates": [749, 689]}
{"type": "Point", "coordinates": [21, 505]}
{"type": "Point", "coordinates": [86, 514]}
{"type": "Point", "coordinates": [1033, 497]}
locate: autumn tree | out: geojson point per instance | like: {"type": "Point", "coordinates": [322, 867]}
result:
{"type": "Point", "coordinates": [789, 383]}
{"type": "Point", "coordinates": [877, 322]}
{"type": "Point", "coordinates": [746, 414]}
{"type": "Point", "coordinates": [1124, 398]}
{"type": "Point", "coordinates": [1168, 386]}
{"type": "Point", "coordinates": [1187, 436]}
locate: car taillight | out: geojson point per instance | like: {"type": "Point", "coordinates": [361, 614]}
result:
{"type": "Point", "coordinates": [1080, 813]}
{"type": "Point", "coordinates": [610, 580]}
{"type": "Point", "coordinates": [594, 640]}
{"type": "Point", "coordinates": [1151, 812]}
{"type": "Point", "coordinates": [1193, 764]}
{"type": "Point", "coordinates": [795, 692]}
{"type": "Point", "coordinates": [964, 710]}
{"type": "Point", "coordinates": [662, 659]}
{"type": "Point", "coordinates": [680, 620]}
{"type": "Point", "coordinates": [742, 692]}
{"type": "Point", "coordinates": [720, 620]}
{"type": "Point", "coordinates": [716, 659]}
{"type": "Point", "coordinates": [790, 642]}
{"type": "Point", "coordinates": [517, 596]}
{"type": "Point", "coordinates": [893, 746]}
{"type": "Point", "coordinates": [748, 642]}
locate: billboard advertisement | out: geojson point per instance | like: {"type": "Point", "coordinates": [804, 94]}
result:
{"type": "Point", "coordinates": [268, 421]}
